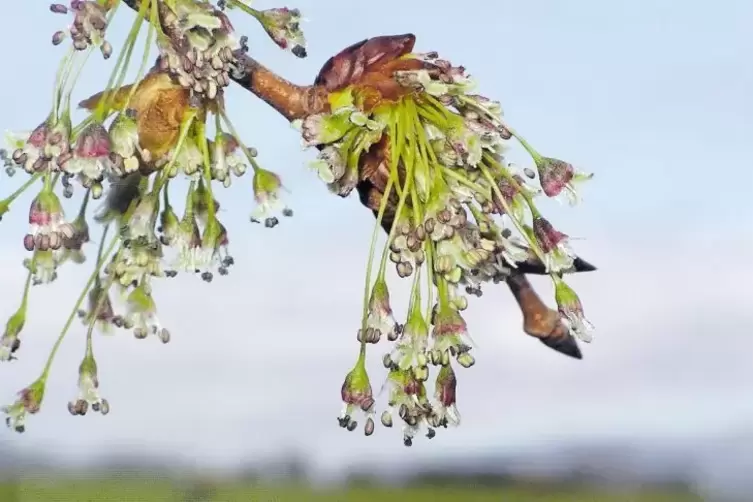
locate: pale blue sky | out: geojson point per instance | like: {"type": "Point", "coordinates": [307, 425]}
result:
{"type": "Point", "coordinates": [655, 97]}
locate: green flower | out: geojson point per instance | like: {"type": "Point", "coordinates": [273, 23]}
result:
{"type": "Point", "coordinates": [29, 401]}
{"type": "Point", "coordinates": [10, 343]}
{"type": "Point", "coordinates": [356, 395]}
{"type": "Point", "coordinates": [571, 309]}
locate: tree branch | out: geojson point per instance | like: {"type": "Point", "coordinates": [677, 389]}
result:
{"type": "Point", "coordinates": [290, 100]}
{"type": "Point", "coordinates": [380, 57]}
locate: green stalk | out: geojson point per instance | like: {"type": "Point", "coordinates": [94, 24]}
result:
{"type": "Point", "coordinates": [201, 137]}
{"type": "Point", "coordinates": [254, 165]}
{"type": "Point", "coordinates": [77, 305]}
{"type": "Point", "coordinates": [531, 242]}
{"type": "Point", "coordinates": [9, 199]}
{"type": "Point", "coordinates": [57, 92]}
{"type": "Point", "coordinates": [121, 64]}
{"type": "Point", "coordinates": [153, 22]}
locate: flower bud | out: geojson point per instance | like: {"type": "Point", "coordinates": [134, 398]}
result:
{"type": "Point", "coordinates": [283, 27]}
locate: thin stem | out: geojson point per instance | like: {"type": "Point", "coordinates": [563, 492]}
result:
{"type": "Point", "coordinates": [27, 286]}
{"type": "Point", "coordinates": [189, 199]}
{"type": "Point", "coordinates": [84, 203]}
{"type": "Point", "coordinates": [254, 165]}
{"type": "Point", "coordinates": [82, 125]}
{"type": "Point", "coordinates": [201, 137]}
{"type": "Point", "coordinates": [22, 188]}
{"type": "Point", "coordinates": [531, 151]}
{"type": "Point", "coordinates": [165, 193]}
{"type": "Point", "coordinates": [76, 75]}
{"type": "Point", "coordinates": [80, 300]}
{"type": "Point", "coordinates": [102, 293]}
{"type": "Point", "coordinates": [245, 8]}
{"type": "Point", "coordinates": [62, 72]}
{"type": "Point", "coordinates": [429, 250]}
{"type": "Point", "coordinates": [415, 294]}
{"type": "Point", "coordinates": [463, 180]}
{"type": "Point", "coordinates": [153, 23]}
{"type": "Point", "coordinates": [508, 210]}
{"type": "Point", "coordinates": [94, 315]}
{"type": "Point", "coordinates": [517, 186]}
{"type": "Point", "coordinates": [185, 127]}
{"type": "Point", "coordinates": [101, 110]}
{"type": "Point", "coordinates": [407, 187]}
{"type": "Point", "coordinates": [290, 100]}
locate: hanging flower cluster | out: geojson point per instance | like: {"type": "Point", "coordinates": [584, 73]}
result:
{"type": "Point", "coordinates": [126, 150]}
{"type": "Point", "coordinates": [423, 152]}
{"type": "Point", "coordinates": [458, 215]}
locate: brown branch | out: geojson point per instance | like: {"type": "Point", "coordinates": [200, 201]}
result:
{"type": "Point", "coordinates": [540, 321]}
{"type": "Point", "coordinates": [290, 100]}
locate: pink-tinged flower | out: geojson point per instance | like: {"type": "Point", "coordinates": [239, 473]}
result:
{"type": "Point", "coordinates": [28, 149]}
{"type": "Point", "coordinates": [88, 390]}
{"type": "Point", "coordinates": [29, 401]}
{"type": "Point", "coordinates": [571, 310]}
{"type": "Point", "coordinates": [47, 226]}
{"type": "Point", "coordinates": [407, 396]}
{"type": "Point", "coordinates": [513, 193]}
{"type": "Point", "coordinates": [356, 395]}
{"type": "Point", "coordinates": [100, 309]}
{"type": "Point", "coordinates": [450, 337]}
{"type": "Point", "coordinates": [446, 409]}
{"type": "Point", "coordinates": [92, 155]}
{"type": "Point", "coordinates": [283, 25]}
{"type": "Point", "coordinates": [44, 147]}
{"type": "Point", "coordinates": [74, 245]}
{"type": "Point", "coordinates": [88, 27]}
{"type": "Point", "coordinates": [380, 320]}
{"type": "Point", "coordinates": [188, 242]}
{"type": "Point", "coordinates": [58, 143]}
{"type": "Point", "coordinates": [558, 256]}
{"type": "Point", "coordinates": [557, 175]}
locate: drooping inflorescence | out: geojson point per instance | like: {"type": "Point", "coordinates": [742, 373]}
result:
{"type": "Point", "coordinates": [423, 152]}
{"type": "Point", "coordinates": [457, 214]}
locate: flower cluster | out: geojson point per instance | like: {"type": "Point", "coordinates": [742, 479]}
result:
{"type": "Point", "coordinates": [445, 182]}
{"type": "Point", "coordinates": [135, 146]}
{"type": "Point", "coordinates": [422, 151]}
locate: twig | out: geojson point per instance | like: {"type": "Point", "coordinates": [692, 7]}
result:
{"type": "Point", "coordinates": [290, 100]}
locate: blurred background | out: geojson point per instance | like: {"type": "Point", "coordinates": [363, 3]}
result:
{"type": "Point", "coordinates": [654, 97]}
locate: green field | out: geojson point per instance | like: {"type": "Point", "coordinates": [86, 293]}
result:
{"type": "Point", "coordinates": [172, 491]}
